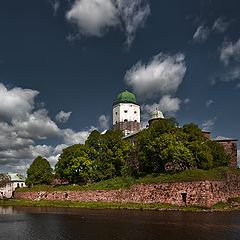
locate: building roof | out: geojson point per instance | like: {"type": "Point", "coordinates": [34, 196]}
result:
{"type": "Point", "coordinates": [156, 114]}
{"type": "Point", "coordinates": [126, 97]}
{"type": "Point", "coordinates": [223, 139]}
{"type": "Point", "coordinates": [16, 177]}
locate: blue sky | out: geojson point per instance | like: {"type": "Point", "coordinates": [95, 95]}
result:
{"type": "Point", "coordinates": [62, 64]}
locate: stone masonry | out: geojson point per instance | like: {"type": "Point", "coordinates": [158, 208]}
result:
{"type": "Point", "coordinates": [202, 193]}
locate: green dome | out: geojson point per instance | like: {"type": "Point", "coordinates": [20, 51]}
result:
{"type": "Point", "coordinates": [126, 97]}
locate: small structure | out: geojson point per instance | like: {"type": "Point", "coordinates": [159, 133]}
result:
{"type": "Point", "coordinates": [156, 116]}
{"type": "Point", "coordinates": [17, 181]}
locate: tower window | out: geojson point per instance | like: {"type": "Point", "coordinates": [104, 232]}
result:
{"type": "Point", "coordinates": [116, 122]}
{"type": "Point", "coordinates": [135, 120]}
{"type": "Point", "coordinates": [115, 113]}
{"type": "Point", "coordinates": [125, 120]}
{"type": "Point", "coordinates": [135, 112]}
{"type": "Point", "coordinates": [125, 111]}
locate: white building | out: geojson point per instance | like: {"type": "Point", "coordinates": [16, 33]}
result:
{"type": "Point", "coordinates": [126, 113]}
{"type": "Point", "coordinates": [17, 181]}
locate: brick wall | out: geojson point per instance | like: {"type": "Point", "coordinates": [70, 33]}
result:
{"type": "Point", "coordinates": [202, 193]}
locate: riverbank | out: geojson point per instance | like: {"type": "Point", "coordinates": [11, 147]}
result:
{"type": "Point", "coordinates": [232, 204]}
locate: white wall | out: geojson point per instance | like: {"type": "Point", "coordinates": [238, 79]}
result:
{"type": "Point", "coordinates": [128, 111]}
{"type": "Point", "coordinates": [7, 191]}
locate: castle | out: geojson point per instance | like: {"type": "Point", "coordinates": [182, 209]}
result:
{"type": "Point", "coordinates": [126, 118]}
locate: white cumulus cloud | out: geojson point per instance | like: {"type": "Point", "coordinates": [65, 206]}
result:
{"type": "Point", "coordinates": [93, 17]}
{"type": "Point", "coordinates": [62, 116]}
{"type": "Point", "coordinates": [96, 17]}
{"type": "Point", "coordinates": [16, 102]}
{"type": "Point", "coordinates": [162, 75]}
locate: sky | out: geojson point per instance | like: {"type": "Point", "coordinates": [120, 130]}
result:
{"type": "Point", "coordinates": [63, 63]}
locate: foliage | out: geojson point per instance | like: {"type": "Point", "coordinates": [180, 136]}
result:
{"type": "Point", "coordinates": [164, 147]}
{"type": "Point", "coordinates": [75, 165]}
{"type": "Point", "coordinates": [39, 172]}
{"type": "Point", "coordinates": [111, 152]}
{"type": "Point", "coordinates": [4, 180]}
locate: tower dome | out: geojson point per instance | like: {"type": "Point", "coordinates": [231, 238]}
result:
{"type": "Point", "coordinates": [126, 97]}
{"type": "Point", "coordinates": [156, 114]}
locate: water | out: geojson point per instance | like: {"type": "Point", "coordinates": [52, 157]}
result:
{"type": "Point", "coordinates": [27, 223]}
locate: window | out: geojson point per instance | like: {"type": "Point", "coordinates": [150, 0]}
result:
{"type": "Point", "coordinates": [116, 122]}
{"type": "Point", "coordinates": [135, 120]}
{"type": "Point", "coordinates": [125, 111]}
{"type": "Point", "coordinates": [125, 120]}
{"type": "Point", "coordinates": [115, 113]}
{"type": "Point", "coordinates": [135, 112]}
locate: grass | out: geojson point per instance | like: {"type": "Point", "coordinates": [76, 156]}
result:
{"type": "Point", "coordinates": [232, 204]}
{"type": "Point", "coordinates": [123, 183]}
{"type": "Point", "coordinates": [98, 205]}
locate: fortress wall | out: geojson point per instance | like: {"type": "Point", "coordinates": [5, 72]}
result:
{"type": "Point", "coordinates": [202, 193]}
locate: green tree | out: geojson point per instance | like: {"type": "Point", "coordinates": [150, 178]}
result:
{"type": "Point", "coordinates": [75, 164]}
{"type": "Point", "coordinates": [165, 149]}
{"type": "Point", "coordinates": [111, 152]}
{"type": "Point", "coordinates": [220, 157]}
{"type": "Point", "coordinates": [4, 180]}
{"type": "Point", "coordinates": [39, 172]}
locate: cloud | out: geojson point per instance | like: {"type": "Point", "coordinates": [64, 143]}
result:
{"type": "Point", "coordinates": [162, 75]}
{"type": "Point", "coordinates": [38, 125]}
{"type": "Point", "coordinates": [96, 17]}
{"type": "Point", "coordinates": [104, 122]}
{"type": "Point", "coordinates": [16, 102]}
{"type": "Point", "coordinates": [22, 125]}
{"type": "Point", "coordinates": [220, 25]}
{"type": "Point", "coordinates": [133, 15]}
{"type": "Point", "coordinates": [229, 75]}
{"type": "Point", "coordinates": [209, 103]}
{"type": "Point", "coordinates": [71, 137]}
{"type": "Point", "coordinates": [187, 100]}
{"type": "Point", "coordinates": [209, 124]}
{"type": "Point", "coordinates": [62, 116]}
{"type": "Point", "coordinates": [167, 104]}
{"type": "Point", "coordinates": [93, 17]}
{"type": "Point", "coordinates": [55, 6]}
{"type": "Point", "coordinates": [201, 34]}
{"type": "Point", "coordinates": [230, 51]}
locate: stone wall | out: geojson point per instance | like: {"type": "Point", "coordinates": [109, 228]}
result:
{"type": "Point", "coordinates": [202, 193]}
{"type": "Point", "coordinates": [230, 147]}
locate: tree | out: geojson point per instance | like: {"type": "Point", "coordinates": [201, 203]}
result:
{"type": "Point", "coordinates": [75, 164]}
{"type": "Point", "coordinates": [4, 180]}
{"type": "Point", "coordinates": [220, 157]}
{"type": "Point", "coordinates": [111, 152]}
{"type": "Point", "coordinates": [39, 172]}
{"type": "Point", "coordinates": [162, 150]}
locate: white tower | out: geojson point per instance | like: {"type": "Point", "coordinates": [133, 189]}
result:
{"type": "Point", "coordinates": [126, 113]}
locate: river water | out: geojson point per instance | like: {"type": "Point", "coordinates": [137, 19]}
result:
{"type": "Point", "coordinates": [29, 223]}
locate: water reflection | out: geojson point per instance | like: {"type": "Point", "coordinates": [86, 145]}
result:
{"type": "Point", "coordinates": [63, 223]}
